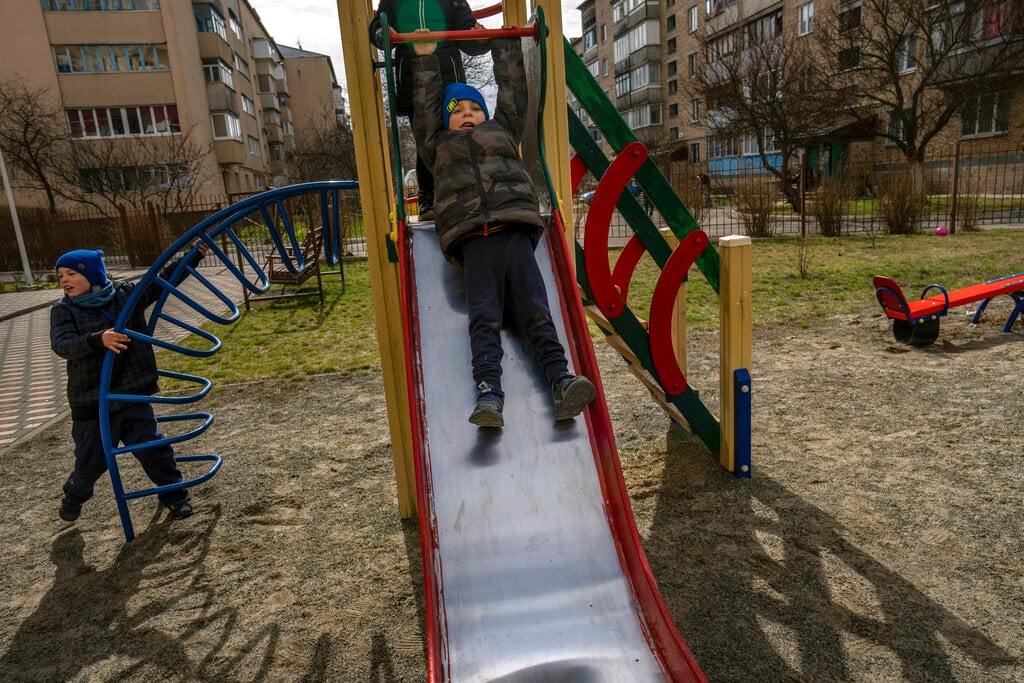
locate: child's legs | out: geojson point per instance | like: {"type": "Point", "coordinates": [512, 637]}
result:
{"type": "Point", "coordinates": [528, 303]}
{"type": "Point", "coordinates": [137, 424]}
{"type": "Point", "coordinates": [90, 462]}
{"type": "Point", "coordinates": [484, 273]}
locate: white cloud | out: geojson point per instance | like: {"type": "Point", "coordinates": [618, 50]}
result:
{"type": "Point", "coordinates": [313, 24]}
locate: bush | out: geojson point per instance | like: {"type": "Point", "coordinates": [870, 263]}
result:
{"type": "Point", "coordinates": [692, 194]}
{"type": "Point", "coordinates": [901, 205]}
{"type": "Point", "coordinates": [755, 200]}
{"type": "Point", "coordinates": [827, 205]}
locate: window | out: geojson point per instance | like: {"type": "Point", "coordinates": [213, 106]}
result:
{"type": "Point", "coordinates": [691, 61]}
{"type": "Point", "coordinates": [604, 67]}
{"type": "Point", "coordinates": [622, 85]}
{"type": "Point", "coordinates": [235, 26]}
{"type": "Point", "coordinates": [219, 72]}
{"type": "Point", "coordinates": [849, 20]}
{"type": "Point", "coordinates": [254, 146]}
{"type": "Point", "coordinates": [240, 64]}
{"type": "Point", "coordinates": [721, 147]}
{"type": "Point", "coordinates": [673, 110]}
{"type": "Point", "coordinates": [670, 22]}
{"type": "Point", "coordinates": [695, 152]}
{"type": "Point", "coordinates": [110, 58]}
{"type": "Point", "coordinates": [849, 58]}
{"type": "Point", "coordinates": [673, 133]}
{"type": "Point", "coordinates": [763, 29]}
{"type": "Point", "coordinates": [99, 5]}
{"type": "Point", "coordinates": [896, 127]}
{"type": "Point", "coordinates": [673, 87]}
{"type": "Point", "coordinates": [906, 59]}
{"type": "Point", "coordinates": [226, 127]}
{"type": "Point", "coordinates": [132, 178]}
{"type": "Point", "coordinates": [209, 20]}
{"type": "Point", "coordinates": [670, 45]}
{"type": "Point", "coordinates": [805, 15]}
{"type": "Point", "coordinates": [593, 68]}
{"type": "Point", "coordinates": [604, 33]}
{"type": "Point", "coordinates": [248, 106]}
{"type": "Point", "coordinates": [672, 68]}
{"type": "Point", "coordinates": [986, 115]}
{"type": "Point", "coordinates": [750, 146]}
{"type": "Point", "coordinates": [589, 33]}
{"type": "Point", "coordinates": [714, 7]}
{"type": "Point", "coordinates": [694, 110]}
{"type": "Point", "coordinates": [692, 18]}
{"type": "Point", "coordinates": [640, 36]}
{"type": "Point", "coordinates": [123, 121]}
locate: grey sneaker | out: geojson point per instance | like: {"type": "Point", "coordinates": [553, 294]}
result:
{"type": "Point", "coordinates": [570, 395]}
{"type": "Point", "coordinates": [180, 509]}
{"type": "Point", "coordinates": [489, 404]}
{"type": "Point", "coordinates": [69, 511]}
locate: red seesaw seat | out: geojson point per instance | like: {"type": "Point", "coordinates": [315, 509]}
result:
{"type": "Point", "coordinates": [917, 322]}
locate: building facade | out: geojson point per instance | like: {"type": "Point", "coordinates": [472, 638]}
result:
{"type": "Point", "coordinates": [132, 73]}
{"type": "Point", "coordinates": [646, 55]}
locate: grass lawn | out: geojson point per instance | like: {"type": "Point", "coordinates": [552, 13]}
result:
{"type": "Point", "coordinates": [294, 338]}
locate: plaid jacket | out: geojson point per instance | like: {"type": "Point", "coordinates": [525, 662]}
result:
{"type": "Point", "coordinates": [75, 334]}
{"type": "Point", "coordinates": [479, 177]}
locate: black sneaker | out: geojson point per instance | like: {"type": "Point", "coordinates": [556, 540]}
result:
{"type": "Point", "coordinates": [69, 510]}
{"type": "Point", "coordinates": [426, 212]}
{"type": "Point", "coordinates": [570, 395]}
{"type": "Point", "coordinates": [489, 404]}
{"type": "Point", "coordinates": [180, 509]}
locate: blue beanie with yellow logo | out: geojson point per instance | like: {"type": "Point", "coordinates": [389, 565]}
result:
{"type": "Point", "coordinates": [453, 92]}
{"type": "Point", "coordinates": [88, 262]}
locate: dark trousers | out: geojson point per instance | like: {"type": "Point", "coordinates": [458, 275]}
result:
{"type": "Point", "coordinates": [135, 424]}
{"type": "Point", "coordinates": [502, 277]}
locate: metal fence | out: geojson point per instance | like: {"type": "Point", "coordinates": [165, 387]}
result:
{"type": "Point", "coordinates": [954, 189]}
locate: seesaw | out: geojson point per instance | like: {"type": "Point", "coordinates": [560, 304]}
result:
{"type": "Point", "coordinates": [917, 322]}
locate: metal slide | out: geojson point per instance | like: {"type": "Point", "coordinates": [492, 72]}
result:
{"type": "Point", "coordinates": [533, 568]}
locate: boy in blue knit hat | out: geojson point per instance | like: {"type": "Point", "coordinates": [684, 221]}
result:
{"type": "Point", "coordinates": [81, 331]}
{"type": "Point", "coordinates": [488, 221]}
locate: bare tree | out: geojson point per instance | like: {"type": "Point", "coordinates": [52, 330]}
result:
{"type": "Point", "coordinates": [324, 150]}
{"type": "Point", "coordinates": [34, 136]}
{"type": "Point", "coordinates": [167, 171]}
{"type": "Point", "coordinates": [765, 83]}
{"type": "Point", "coordinates": [917, 63]}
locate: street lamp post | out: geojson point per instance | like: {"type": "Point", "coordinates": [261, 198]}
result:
{"type": "Point", "coordinates": [14, 218]}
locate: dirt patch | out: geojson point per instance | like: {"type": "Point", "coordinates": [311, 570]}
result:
{"type": "Point", "coordinates": [879, 539]}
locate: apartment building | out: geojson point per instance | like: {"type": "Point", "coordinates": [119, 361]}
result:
{"type": "Point", "coordinates": [672, 38]}
{"type": "Point", "coordinates": [127, 72]}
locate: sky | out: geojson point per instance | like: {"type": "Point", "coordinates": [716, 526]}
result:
{"type": "Point", "coordinates": [313, 25]}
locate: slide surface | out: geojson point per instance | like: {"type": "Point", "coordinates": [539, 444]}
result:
{"type": "Point", "coordinates": [523, 564]}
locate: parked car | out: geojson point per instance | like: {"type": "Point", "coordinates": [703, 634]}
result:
{"type": "Point", "coordinates": [634, 189]}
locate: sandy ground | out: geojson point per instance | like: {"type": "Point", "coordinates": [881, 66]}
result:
{"type": "Point", "coordinates": [879, 539]}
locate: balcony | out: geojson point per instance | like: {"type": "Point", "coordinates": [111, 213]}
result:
{"type": "Point", "coordinates": [649, 11]}
{"type": "Point", "coordinates": [222, 98]}
{"type": "Point", "coordinates": [212, 46]}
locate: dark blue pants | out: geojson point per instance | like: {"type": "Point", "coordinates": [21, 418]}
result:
{"type": "Point", "coordinates": [135, 424]}
{"type": "Point", "coordinates": [502, 277]}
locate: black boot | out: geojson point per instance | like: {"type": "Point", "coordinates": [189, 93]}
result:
{"type": "Point", "coordinates": [570, 395]}
{"type": "Point", "coordinates": [489, 404]}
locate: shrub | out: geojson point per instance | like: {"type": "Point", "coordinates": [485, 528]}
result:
{"type": "Point", "coordinates": [901, 205]}
{"type": "Point", "coordinates": [755, 200]}
{"type": "Point", "coordinates": [827, 205]}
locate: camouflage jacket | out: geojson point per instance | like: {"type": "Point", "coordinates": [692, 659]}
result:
{"type": "Point", "coordinates": [479, 178]}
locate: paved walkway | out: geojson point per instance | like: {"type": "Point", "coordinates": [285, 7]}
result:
{"type": "Point", "coordinates": [33, 379]}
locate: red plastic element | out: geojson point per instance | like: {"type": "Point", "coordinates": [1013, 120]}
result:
{"type": "Point", "coordinates": [626, 264]}
{"type": "Point", "coordinates": [489, 11]}
{"type": "Point", "coordinates": [938, 304]}
{"type": "Point", "coordinates": [660, 325]}
{"type": "Point", "coordinates": [577, 169]}
{"type": "Point", "coordinates": [599, 217]}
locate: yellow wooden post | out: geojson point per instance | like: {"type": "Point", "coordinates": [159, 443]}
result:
{"type": "Point", "coordinates": [377, 197]}
{"type": "Point", "coordinates": [556, 118]}
{"type": "Point", "coordinates": [735, 333]}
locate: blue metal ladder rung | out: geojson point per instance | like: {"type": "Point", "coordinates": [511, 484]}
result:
{"type": "Point", "coordinates": [184, 483]}
{"type": "Point", "coordinates": [294, 265]}
{"type": "Point", "coordinates": [207, 419]}
{"type": "Point", "coordinates": [205, 386]}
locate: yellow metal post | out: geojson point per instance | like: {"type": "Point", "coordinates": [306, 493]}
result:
{"type": "Point", "coordinates": [734, 343]}
{"type": "Point", "coordinates": [377, 197]}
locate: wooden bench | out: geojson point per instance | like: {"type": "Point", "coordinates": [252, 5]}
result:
{"type": "Point", "coordinates": [278, 273]}
{"type": "Point", "coordinates": [917, 322]}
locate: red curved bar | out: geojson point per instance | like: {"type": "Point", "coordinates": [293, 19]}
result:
{"type": "Point", "coordinates": [660, 325]}
{"type": "Point", "coordinates": [626, 264]}
{"type": "Point", "coordinates": [489, 11]}
{"type": "Point", "coordinates": [599, 218]}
